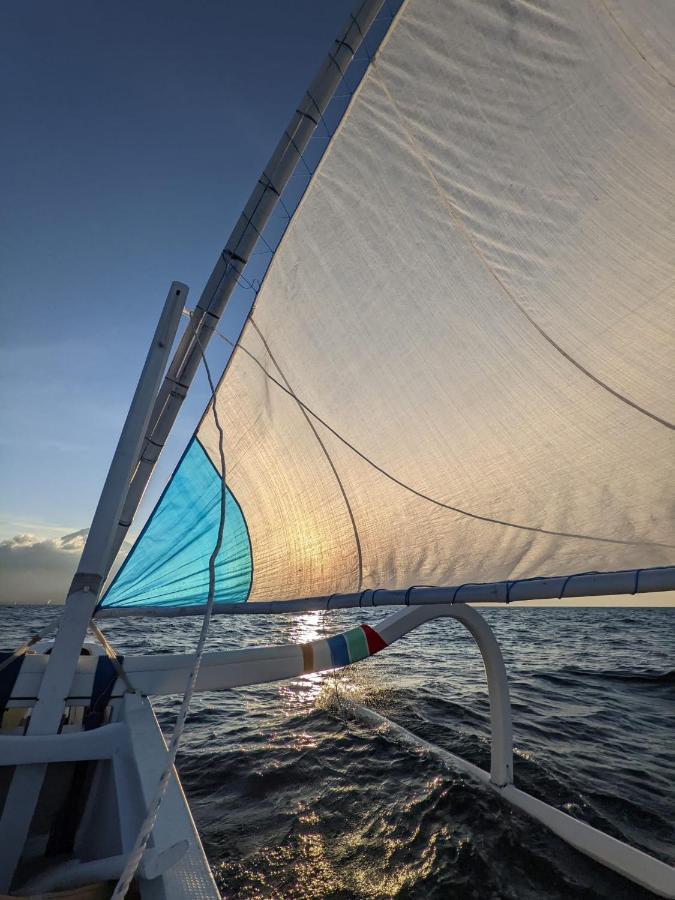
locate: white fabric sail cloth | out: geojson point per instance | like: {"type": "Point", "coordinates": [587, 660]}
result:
{"type": "Point", "coordinates": [476, 294]}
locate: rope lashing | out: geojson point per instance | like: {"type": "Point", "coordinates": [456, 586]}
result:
{"type": "Point", "coordinates": [413, 587]}
{"type": "Point", "coordinates": [461, 588]}
{"type": "Point", "coordinates": [375, 592]}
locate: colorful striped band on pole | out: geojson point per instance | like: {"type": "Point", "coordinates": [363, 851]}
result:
{"type": "Point", "coordinates": [341, 649]}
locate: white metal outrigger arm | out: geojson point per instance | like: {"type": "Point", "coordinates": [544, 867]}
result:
{"type": "Point", "coordinates": [24, 790]}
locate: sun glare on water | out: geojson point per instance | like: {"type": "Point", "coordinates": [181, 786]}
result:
{"type": "Point", "coordinates": [304, 692]}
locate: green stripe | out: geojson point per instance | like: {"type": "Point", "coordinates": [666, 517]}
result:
{"type": "Point", "coordinates": [357, 644]}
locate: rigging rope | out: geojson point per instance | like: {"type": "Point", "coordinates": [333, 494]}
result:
{"type": "Point", "coordinates": [237, 345]}
{"type": "Point", "coordinates": [25, 647]}
{"type": "Point", "coordinates": [112, 656]}
{"type": "Point", "coordinates": [136, 854]}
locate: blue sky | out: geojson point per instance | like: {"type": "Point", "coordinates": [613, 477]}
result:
{"type": "Point", "coordinates": [132, 136]}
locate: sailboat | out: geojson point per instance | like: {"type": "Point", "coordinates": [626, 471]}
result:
{"type": "Point", "coordinates": [453, 386]}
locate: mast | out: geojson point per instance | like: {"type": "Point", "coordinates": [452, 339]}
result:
{"type": "Point", "coordinates": [85, 587]}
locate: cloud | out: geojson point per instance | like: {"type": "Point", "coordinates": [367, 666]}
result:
{"type": "Point", "coordinates": [36, 570]}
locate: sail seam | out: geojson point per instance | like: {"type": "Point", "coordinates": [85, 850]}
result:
{"type": "Point", "coordinates": [456, 218]}
{"type": "Point", "coordinates": [412, 490]}
{"type": "Point", "coordinates": [343, 490]}
{"type": "Point", "coordinates": [241, 512]}
{"type": "Point", "coordinates": [145, 527]}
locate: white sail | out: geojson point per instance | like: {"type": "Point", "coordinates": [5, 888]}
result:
{"type": "Point", "coordinates": [475, 294]}
{"type": "Point", "coordinates": [474, 306]}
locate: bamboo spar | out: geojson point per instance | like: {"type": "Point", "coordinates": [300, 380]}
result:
{"type": "Point", "coordinates": [240, 244]}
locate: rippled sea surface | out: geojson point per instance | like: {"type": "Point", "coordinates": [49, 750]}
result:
{"type": "Point", "coordinates": [293, 799]}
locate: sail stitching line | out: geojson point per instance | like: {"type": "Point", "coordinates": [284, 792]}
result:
{"type": "Point", "coordinates": [457, 219]}
{"type": "Point", "coordinates": [343, 491]}
{"type": "Point", "coordinates": [412, 490]}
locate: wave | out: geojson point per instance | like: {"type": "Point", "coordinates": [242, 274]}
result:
{"type": "Point", "coordinates": [570, 675]}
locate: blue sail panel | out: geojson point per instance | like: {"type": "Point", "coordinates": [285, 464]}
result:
{"type": "Point", "coordinates": [168, 565]}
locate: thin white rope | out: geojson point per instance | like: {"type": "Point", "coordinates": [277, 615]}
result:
{"type": "Point", "coordinates": [136, 854]}
{"type": "Point", "coordinates": [537, 529]}
{"type": "Point", "coordinates": [25, 647]}
{"type": "Point", "coordinates": [112, 656]}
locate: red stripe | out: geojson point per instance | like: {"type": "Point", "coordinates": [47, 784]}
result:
{"type": "Point", "coordinates": [375, 642]}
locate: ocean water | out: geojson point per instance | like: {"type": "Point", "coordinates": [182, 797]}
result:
{"type": "Point", "coordinates": [295, 800]}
